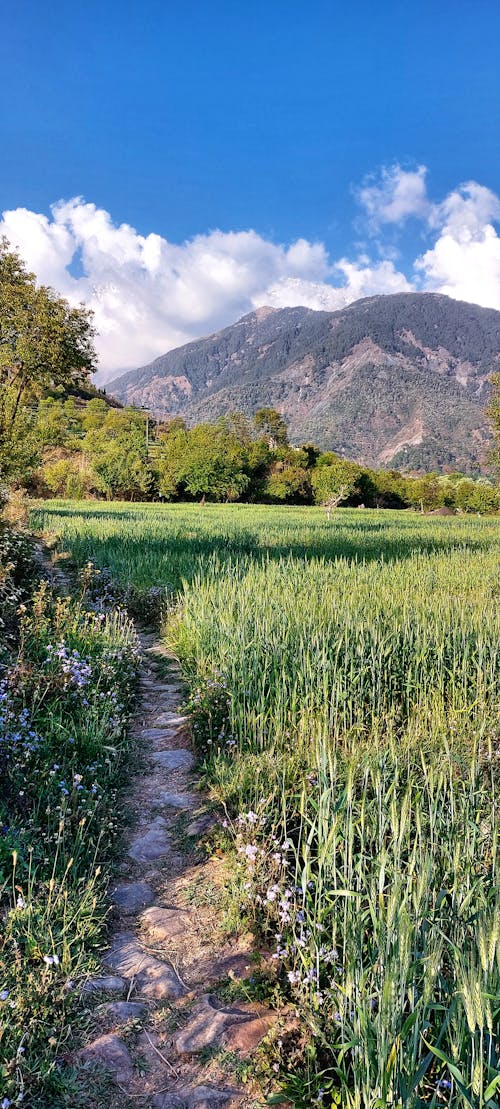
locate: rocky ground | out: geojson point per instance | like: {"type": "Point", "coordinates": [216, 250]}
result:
{"type": "Point", "coordinates": [160, 1027]}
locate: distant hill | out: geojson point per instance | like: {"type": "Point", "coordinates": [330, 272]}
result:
{"type": "Point", "coordinates": [393, 381]}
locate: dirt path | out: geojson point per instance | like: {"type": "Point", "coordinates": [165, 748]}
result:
{"type": "Point", "coordinates": [162, 1030]}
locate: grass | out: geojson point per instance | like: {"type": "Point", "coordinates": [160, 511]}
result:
{"type": "Point", "coordinates": [66, 689]}
{"type": "Point", "coordinates": [344, 688]}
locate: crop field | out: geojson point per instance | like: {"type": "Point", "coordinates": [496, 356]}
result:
{"type": "Point", "coordinates": [343, 680]}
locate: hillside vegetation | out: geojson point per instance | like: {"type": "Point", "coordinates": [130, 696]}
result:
{"type": "Point", "coordinates": [390, 380]}
{"type": "Point", "coordinates": [343, 682]}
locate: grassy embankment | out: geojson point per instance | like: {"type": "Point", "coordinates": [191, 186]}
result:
{"type": "Point", "coordinates": [344, 683]}
{"type": "Point", "coordinates": [66, 687]}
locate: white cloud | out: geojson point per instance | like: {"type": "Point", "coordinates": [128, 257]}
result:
{"type": "Point", "coordinates": [361, 279]}
{"type": "Point", "coordinates": [464, 261]}
{"type": "Point", "coordinates": [150, 295]}
{"type": "Point", "coordinates": [394, 195]}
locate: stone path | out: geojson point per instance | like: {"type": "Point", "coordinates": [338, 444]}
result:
{"type": "Point", "coordinates": [160, 1029]}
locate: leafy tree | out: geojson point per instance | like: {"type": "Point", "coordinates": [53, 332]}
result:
{"type": "Point", "coordinates": [477, 496]}
{"type": "Point", "coordinates": [95, 414]}
{"type": "Point", "coordinates": [272, 427]}
{"type": "Point", "coordinates": [288, 482]}
{"type": "Point", "coordinates": [334, 480]}
{"type": "Point", "coordinates": [204, 462]}
{"type": "Point", "coordinates": [426, 492]}
{"type": "Point", "coordinates": [493, 411]}
{"type": "Point", "coordinates": [117, 453]}
{"type": "Point", "coordinates": [384, 488]}
{"type": "Point", "coordinates": [45, 343]}
{"type": "Point", "coordinates": [71, 477]}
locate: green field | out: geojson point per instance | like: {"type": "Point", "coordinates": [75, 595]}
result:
{"type": "Point", "coordinates": [343, 682]}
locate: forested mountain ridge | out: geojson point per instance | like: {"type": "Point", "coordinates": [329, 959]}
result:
{"type": "Point", "coordinates": [390, 380]}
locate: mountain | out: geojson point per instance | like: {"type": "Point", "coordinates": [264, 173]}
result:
{"type": "Point", "coordinates": [395, 380]}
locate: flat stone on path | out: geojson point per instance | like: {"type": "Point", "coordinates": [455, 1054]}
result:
{"type": "Point", "coordinates": [131, 896]}
{"type": "Point", "coordinates": [107, 983]}
{"type": "Point", "coordinates": [165, 924]}
{"type": "Point", "coordinates": [152, 734]}
{"type": "Point", "coordinates": [150, 685]}
{"type": "Point", "coordinates": [244, 1038]}
{"type": "Point", "coordinates": [207, 1025]}
{"type": "Point", "coordinates": [168, 720]}
{"type": "Point", "coordinates": [176, 759]}
{"type": "Point", "coordinates": [201, 1097]}
{"type": "Point", "coordinates": [179, 800]}
{"type": "Point", "coordinates": [151, 843]}
{"type": "Point", "coordinates": [152, 977]}
{"type": "Point", "coordinates": [121, 1011]}
{"type": "Point", "coordinates": [112, 1053]}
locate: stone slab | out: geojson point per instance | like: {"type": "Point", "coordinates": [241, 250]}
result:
{"type": "Point", "coordinates": [175, 759]}
{"type": "Point", "coordinates": [168, 720]}
{"type": "Point", "coordinates": [151, 843]}
{"type": "Point", "coordinates": [179, 800]}
{"type": "Point", "coordinates": [199, 1097]}
{"type": "Point", "coordinates": [119, 1012]}
{"type": "Point", "coordinates": [207, 1025]}
{"type": "Point", "coordinates": [152, 977]}
{"type": "Point", "coordinates": [165, 924]}
{"type": "Point", "coordinates": [112, 1053]}
{"type": "Point", "coordinates": [245, 1038]}
{"type": "Point", "coordinates": [106, 983]}
{"type": "Point", "coordinates": [153, 734]}
{"type": "Point", "coordinates": [131, 896]}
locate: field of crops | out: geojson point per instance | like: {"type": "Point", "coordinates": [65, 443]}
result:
{"type": "Point", "coordinates": [344, 684]}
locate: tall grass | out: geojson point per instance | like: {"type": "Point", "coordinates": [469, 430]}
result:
{"type": "Point", "coordinates": [344, 682]}
{"type": "Point", "coordinates": [66, 692]}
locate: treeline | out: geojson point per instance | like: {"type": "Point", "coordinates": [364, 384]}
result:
{"type": "Point", "coordinates": [52, 443]}
{"type": "Point", "coordinates": [94, 451]}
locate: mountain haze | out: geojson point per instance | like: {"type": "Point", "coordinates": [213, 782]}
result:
{"type": "Point", "coordinates": [390, 380]}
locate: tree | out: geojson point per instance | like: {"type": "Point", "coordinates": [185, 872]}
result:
{"type": "Point", "coordinates": [204, 462]}
{"type": "Point", "coordinates": [334, 480]}
{"type": "Point", "coordinates": [493, 411]}
{"type": "Point", "coordinates": [271, 426]}
{"type": "Point", "coordinates": [289, 482]}
{"type": "Point", "coordinates": [45, 344]}
{"type": "Point", "coordinates": [117, 454]}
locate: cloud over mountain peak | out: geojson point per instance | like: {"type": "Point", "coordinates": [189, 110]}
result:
{"type": "Point", "coordinates": [150, 295]}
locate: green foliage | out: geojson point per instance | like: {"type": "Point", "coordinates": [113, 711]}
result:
{"type": "Point", "coordinates": [493, 412]}
{"type": "Point", "coordinates": [344, 695]}
{"type": "Point", "coordinates": [334, 480]}
{"type": "Point", "coordinates": [44, 344]}
{"type": "Point", "coordinates": [66, 694]}
{"type": "Point", "coordinates": [269, 424]}
{"type": "Point", "coordinates": [208, 461]}
{"type": "Point", "coordinates": [287, 480]}
{"type": "Point", "coordinates": [411, 367]}
{"type": "Point", "coordinates": [118, 454]}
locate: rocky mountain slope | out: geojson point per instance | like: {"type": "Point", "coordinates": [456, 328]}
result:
{"type": "Point", "coordinates": [396, 380]}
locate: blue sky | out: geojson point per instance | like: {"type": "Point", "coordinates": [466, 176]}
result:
{"type": "Point", "coordinates": [182, 118]}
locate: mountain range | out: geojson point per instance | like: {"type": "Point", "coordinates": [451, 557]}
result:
{"type": "Point", "coordinates": [395, 380]}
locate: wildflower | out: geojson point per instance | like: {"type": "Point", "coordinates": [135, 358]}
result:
{"type": "Point", "coordinates": [5, 1103]}
{"type": "Point", "coordinates": [20, 904]}
{"type": "Point", "coordinates": [4, 995]}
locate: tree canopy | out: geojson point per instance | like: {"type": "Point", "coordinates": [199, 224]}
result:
{"type": "Point", "coordinates": [45, 344]}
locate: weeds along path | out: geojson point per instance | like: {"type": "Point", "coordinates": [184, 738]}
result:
{"type": "Point", "coordinates": [164, 1034]}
